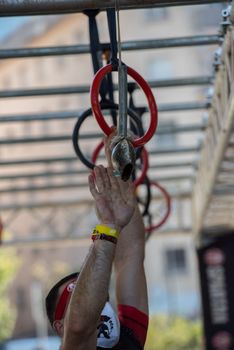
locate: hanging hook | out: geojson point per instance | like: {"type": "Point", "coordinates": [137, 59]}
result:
{"type": "Point", "coordinates": [123, 155]}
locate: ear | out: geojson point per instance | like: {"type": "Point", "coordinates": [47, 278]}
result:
{"type": "Point", "coordinates": [58, 327]}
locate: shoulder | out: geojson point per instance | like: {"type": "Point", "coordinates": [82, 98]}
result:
{"type": "Point", "coordinates": [128, 340]}
{"type": "Point", "coordinates": [134, 322]}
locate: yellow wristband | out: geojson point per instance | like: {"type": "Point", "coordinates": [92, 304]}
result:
{"type": "Point", "coordinates": [109, 231]}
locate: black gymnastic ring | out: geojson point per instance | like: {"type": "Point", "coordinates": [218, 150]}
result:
{"type": "Point", "coordinates": [148, 196]}
{"type": "Point", "coordinates": [104, 105]}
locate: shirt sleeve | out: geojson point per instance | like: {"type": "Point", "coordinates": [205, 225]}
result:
{"type": "Point", "coordinates": [134, 319]}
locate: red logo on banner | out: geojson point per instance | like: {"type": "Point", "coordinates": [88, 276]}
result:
{"type": "Point", "coordinates": [222, 341]}
{"type": "Point", "coordinates": [214, 256]}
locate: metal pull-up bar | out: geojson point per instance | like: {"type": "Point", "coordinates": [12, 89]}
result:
{"type": "Point", "coordinates": [39, 7]}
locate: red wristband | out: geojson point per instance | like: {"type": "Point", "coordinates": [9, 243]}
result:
{"type": "Point", "coordinates": [102, 236]}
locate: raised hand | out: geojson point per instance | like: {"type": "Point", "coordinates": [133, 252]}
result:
{"type": "Point", "coordinates": [114, 207]}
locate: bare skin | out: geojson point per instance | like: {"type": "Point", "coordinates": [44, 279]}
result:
{"type": "Point", "coordinates": [79, 328]}
{"type": "Point", "coordinates": [131, 288]}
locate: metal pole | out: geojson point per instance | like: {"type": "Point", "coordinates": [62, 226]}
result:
{"type": "Point", "coordinates": [40, 116]}
{"type": "Point", "coordinates": [78, 240]}
{"type": "Point", "coordinates": [80, 202]}
{"type": "Point", "coordinates": [18, 176]}
{"type": "Point", "coordinates": [164, 43]}
{"type": "Point", "coordinates": [66, 90]}
{"type": "Point", "coordinates": [59, 138]}
{"type": "Point", "coordinates": [174, 150]}
{"type": "Point", "coordinates": [44, 92]}
{"type": "Point", "coordinates": [44, 187]}
{"type": "Point", "coordinates": [183, 106]}
{"type": "Point", "coordinates": [71, 114]}
{"type": "Point", "coordinates": [18, 162]}
{"type": "Point", "coordinates": [43, 7]}
{"type": "Point", "coordinates": [86, 136]}
{"type": "Point", "coordinates": [123, 101]}
{"type": "Point", "coordinates": [79, 185]}
{"type": "Point", "coordinates": [45, 204]}
{"type": "Point", "coordinates": [158, 166]}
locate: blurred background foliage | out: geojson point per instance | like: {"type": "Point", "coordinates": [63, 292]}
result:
{"type": "Point", "coordinates": [173, 333]}
{"type": "Point", "coordinates": [9, 264]}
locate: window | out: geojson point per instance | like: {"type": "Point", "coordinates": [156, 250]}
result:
{"type": "Point", "coordinates": [175, 261]}
{"type": "Point", "coordinates": [156, 14]}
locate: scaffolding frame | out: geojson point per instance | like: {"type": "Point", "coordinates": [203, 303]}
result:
{"type": "Point", "coordinates": [46, 7]}
{"type": "Point", "coordinates": [217, 134]}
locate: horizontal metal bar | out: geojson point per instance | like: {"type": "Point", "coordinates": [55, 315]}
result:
{"type": "Point", "coordinates": [43, 174]}
{"type": "Point", "coordinates": [181, 128]}
{"type": "Point", "coordinates": [183, 106]}
{"type": "Point", "coordinates": [78, 240]}
{"type": "Point", "coordinates": [174, 150]}
{"type": "Point", "coordinates": [147, 44]}
{"type": "Point", "coordinates": [44, 92]}
{"type": "Point", "coordinates": [14, 162]}
{"type": "Point", "coordinates": [89, 136]}
{"type": "Point", "coordinates": [57, 138]}
{"type": "Point", "coordinates": [64, 115]}
{"type": "Point", "coordinates": [180, 82]}
{"type": "Point", "coordinates": [45, 204]}
{"type": "Point", "coordinates": [167, 107]}
{"type": "Point", "coordinates": [225, 189]}
{"type": "Point", "coordinates": [76, 172]}
{"type": "Point", "coordinates": [44, 187]}
{"type": "Point", "coordinates": [45, 7]}
{"type": "Point", "coordinates": [74, 185]}
{"type": "Point", "coordinates": [83, 201]}
{"type": "Point", "coordinates": [82, 241]}
{"type": "Point", "coordinates": [68, 90]}
{"type": "Point", "coordinates": [178, 164]}
{"type": "Point", "coordinates": [37, 161]}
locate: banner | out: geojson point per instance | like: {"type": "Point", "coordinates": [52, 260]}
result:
{"type": "Point", "coordinates": [216, 265]}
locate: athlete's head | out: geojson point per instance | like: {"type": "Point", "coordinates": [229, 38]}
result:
{"type": "Point", "coordinates": [57, 301]}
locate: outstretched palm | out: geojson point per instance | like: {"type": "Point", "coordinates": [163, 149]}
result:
{"type": "Point", "coordinates": [113, 206]}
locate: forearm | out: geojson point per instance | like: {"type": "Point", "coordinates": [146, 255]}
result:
{"type": "Point", "coordinates": [131, 286]}
{"type": "Point", "coordinates": [91, 291]}
{"type": "Point", "coordinates": [132, 240]}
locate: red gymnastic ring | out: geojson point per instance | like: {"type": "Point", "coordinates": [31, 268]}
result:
{"type": "Point", "coordinates": [143, 156]}
{"type": "Point", "coordinates": [168, 211]}
{"type": "Point", "coordinates": [94, 93]}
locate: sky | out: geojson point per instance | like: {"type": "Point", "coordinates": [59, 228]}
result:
{"type": "Point", "coordinates": [9, 25]}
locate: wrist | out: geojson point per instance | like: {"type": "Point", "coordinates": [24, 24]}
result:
{"type": "Point", "coordinates": [104, 232]}
{"type": "Point", "coordinates": [111, 225]}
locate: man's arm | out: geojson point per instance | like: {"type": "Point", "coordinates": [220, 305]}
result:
{"type": "Point", "coordinates": [89, 298]}
{"type": "Point", "coordinates": [90, 293]}
{"type": "Point", "coordinates": [131, 288]}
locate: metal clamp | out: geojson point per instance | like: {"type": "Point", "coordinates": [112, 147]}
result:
{"type": "Point", "coordinates": [217, 58]}
{"type": "Point", "coordinates": [226, 21]}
